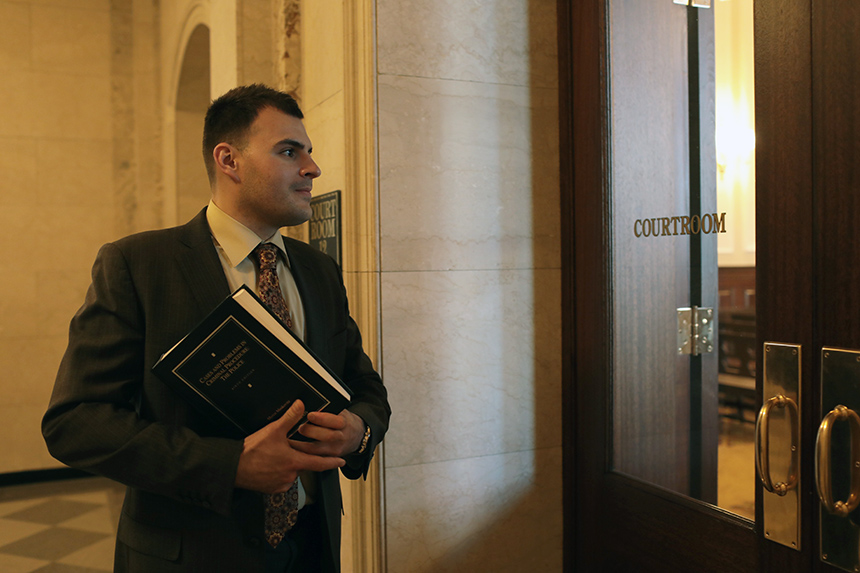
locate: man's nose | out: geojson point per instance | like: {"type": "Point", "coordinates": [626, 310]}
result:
{"type": "Point", "coordinates": [311, 169]}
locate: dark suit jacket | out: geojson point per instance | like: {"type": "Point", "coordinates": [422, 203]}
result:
{"type": "Point", "coordinates": [111, 416]}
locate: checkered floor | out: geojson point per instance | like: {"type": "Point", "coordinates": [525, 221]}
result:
{"type": "Point", "coordinates": [59, 527]}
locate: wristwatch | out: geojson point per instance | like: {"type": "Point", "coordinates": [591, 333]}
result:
{"type": "Point", "coordinates": [364, 440]}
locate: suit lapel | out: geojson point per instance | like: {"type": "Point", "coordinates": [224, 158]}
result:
{"type": "Point", "coordinates": [200, 265]}
{"type": "Point", "coordinates": [307, 282]}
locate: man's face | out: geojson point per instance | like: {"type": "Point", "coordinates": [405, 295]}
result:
{"type": "Point", "coordinates": [277, 173]}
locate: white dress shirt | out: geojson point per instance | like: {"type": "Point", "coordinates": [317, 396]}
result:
{"type": "Point", "coordinates": [234, 243]}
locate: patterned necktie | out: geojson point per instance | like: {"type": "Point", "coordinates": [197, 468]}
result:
{"type": "Point", "coordinates": [268, 285]}
{"type": "Point", "coordinates": [282, 509]}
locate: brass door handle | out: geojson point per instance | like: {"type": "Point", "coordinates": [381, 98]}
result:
{"type": "Point", "coordinates": [762, 440]}
{"type": "Point", "coordinates": [823, 481]}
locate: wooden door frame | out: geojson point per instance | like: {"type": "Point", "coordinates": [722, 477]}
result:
{"type": "Point", "coordinates": [581, 87]}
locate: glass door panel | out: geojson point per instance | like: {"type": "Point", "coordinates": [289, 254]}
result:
{"type": "Point", "coordinates": [651, 271]}
{"type": "Point", "coordinates": [735, 146]}
{"type": "Point", "coordinates": [683, 248]}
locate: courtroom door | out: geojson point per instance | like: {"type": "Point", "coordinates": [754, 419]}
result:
{"type": "Point", "coordinates": [662, 351]}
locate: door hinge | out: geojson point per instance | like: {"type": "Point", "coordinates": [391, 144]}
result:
{"type": "Point", "coordinates": [694, 3]}
{"type": "Point", "coordinates": [695, 330]}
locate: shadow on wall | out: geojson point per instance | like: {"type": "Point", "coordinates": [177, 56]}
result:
{"type": "Point", "coordinates": [474, 463]}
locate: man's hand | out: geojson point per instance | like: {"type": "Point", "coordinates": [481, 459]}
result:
{"type": "Point", "coordinates": [270, 463]}
{"type": "Point", "coordinates": [334, 434]}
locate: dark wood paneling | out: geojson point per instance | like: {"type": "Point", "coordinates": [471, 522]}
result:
{"type": "Point", "coordinates": [737, 288]}
{"type": "Point", "coordinates": [587, 317]}
{"type": "Point", "coordinates": [836, 168]}
{"type": "Point", "coordinates": [835, 189]}
{"type": "Point", "coordinates": [568, 396]}
{"type": "Point", "coordinates": [661, 532]}
{"type": "Point", "coordinates": [784, 226]}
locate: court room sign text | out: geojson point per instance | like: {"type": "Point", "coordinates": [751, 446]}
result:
{"type": "Point", "coordinates": [324, 225]}
{"type": "Point", "coordinates": [706, 224]}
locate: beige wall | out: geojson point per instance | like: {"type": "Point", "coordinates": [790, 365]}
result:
{"type": "Point", "coordinates": [470, 294]}
{"type": "Point", "coordinates": [321, 89]}
{"type": "Point", "coordinates": [244, 47]}
{"type": "Point", "coordinates": [69, 104]}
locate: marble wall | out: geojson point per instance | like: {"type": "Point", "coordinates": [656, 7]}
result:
{"type": "Point", "coordinates": [70, 183]}
{"type": "Point", "coordinates": [470, 288]}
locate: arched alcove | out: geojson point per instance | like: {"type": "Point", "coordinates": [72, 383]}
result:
{"type": "Point", "coordinates": [192, 100]}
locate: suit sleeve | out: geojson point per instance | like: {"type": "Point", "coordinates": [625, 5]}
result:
{"type": "Point", "coordinates": [370, 398]}
{"type": "Point", "coordinates": [370, 403]}
{"type": "Point", "coordinates": [97, 420]}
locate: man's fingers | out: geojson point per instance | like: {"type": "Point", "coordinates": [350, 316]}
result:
{"type": "Point", "coordinates": [322, 463]}
{"type": "Point", "coordinates": [293, 414]}
{"type": "Point", "coordinates": [327, 420]}
{"type": "Point", "coordinates": [308, 462]}
{"type": "Point", "coordinates": [311, 431]}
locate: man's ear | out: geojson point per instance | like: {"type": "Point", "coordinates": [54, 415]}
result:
{"type": "Point", "coordinates": [226, 157]}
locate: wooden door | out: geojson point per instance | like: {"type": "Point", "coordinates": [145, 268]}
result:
{"type": "Point", "coordinates": [807, 221]}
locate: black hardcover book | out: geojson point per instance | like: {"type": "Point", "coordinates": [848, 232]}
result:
{"type": "Point", "coordinates": [245, 368]}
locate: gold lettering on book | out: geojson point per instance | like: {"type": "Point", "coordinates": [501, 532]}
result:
{"type": "Point", "coordinates": [280, 409]}
{"type": "Point", "coordinates": [227, 366]}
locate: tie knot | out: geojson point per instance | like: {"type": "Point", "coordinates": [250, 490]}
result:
{"type": "Point", "coordinates": [267, 256]}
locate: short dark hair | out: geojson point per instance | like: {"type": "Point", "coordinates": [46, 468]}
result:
{"type": "Point", "coordinates": [230, 116]}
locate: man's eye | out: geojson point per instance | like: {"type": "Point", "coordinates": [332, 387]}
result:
{"type": "Point", "coordinates": [289, 152]}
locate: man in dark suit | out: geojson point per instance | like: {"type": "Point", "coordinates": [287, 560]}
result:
{"type": "Point", "coordinates": [195, 499]}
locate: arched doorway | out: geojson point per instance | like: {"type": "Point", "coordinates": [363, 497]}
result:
{"type": "Point", "coordinates": [192, 100]}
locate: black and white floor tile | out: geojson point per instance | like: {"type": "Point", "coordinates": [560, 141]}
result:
{"type": "Point", "coordinates": [59, 527]}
